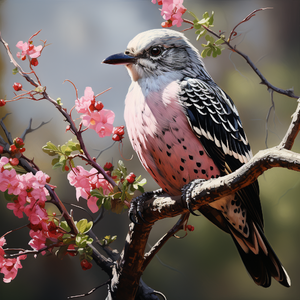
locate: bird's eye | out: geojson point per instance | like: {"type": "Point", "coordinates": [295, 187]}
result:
{"type": "Point", "coordinates": [155, 51]}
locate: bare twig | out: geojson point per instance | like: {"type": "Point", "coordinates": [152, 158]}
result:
{"type": "Point", "coordinates": [154, 250]}
{"type": "Point", "coordinates": [293, 130]}
{"type": "Point", "coordinates": [90, 292]}
{"type": "Point", "coordinates": [264, 81]}
{"type": "Point", "coordinates": [233, 31]}
{"type": "Point", "coordinates": [29, 129]}
{"type": "Point", "coordinates": [272, 107]}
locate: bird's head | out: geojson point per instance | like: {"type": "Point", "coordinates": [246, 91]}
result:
{"type": "Point", "coordinates": [157, 52]}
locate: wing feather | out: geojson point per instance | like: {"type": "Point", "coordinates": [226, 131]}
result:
{"type": "Point", "coordinates": [215, 121]}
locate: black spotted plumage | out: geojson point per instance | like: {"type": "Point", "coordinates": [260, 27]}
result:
{"type": "Point", "coordinates": [209, 111]}
{"type": "Point", "coordinates": [215, 121]}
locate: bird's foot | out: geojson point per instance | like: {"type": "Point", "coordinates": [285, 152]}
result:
{"type": "Point", "coordinates": [188, 193]}
{"type": "Point", "coordinates": [137, 206]}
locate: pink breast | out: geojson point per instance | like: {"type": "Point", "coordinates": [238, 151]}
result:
{"type": "Point", "coordinates": [160, 134]}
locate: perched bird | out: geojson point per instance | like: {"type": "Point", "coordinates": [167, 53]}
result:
{"type": "Point", "coordinates": [184, 127]}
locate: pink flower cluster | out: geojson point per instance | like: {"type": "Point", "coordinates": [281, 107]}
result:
{"type": "Point", "coordinates": [28, 49]}
{"type": "Point", "coordinates": [94, 116]}
{"type": "Point", "coordinates": [172, 11]}
{"type": "Point", "coordinates": [85, 181]}
{"type": "Point", "coordinates": [29, 198]}
{"type": "Point", "coordinates": [9, 266]}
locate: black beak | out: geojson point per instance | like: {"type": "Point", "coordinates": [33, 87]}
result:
{"type": "Point", "coordinates": [119, 59]}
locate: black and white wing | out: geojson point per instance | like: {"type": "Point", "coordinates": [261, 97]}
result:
{"type": "Point", "coordinates": [214, 119]}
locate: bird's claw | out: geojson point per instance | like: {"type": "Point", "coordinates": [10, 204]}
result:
{"type": "Point", "coordinates": [137, 206]}
{"type": "Point", "coordinates": [187, 194]}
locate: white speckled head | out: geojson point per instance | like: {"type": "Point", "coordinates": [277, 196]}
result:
{"type": "Point", "coordinates": [160, 51]}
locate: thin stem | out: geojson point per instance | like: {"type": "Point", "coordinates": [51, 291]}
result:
{"type": "Point", "coordinates": [156, 248]}
{"type": "Point", "coordinates": [264, 81]}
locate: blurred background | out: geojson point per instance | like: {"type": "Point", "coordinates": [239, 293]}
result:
{"type": "Point", "coordinates": [205, 264]}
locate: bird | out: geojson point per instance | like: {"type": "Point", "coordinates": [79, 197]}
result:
{"type": "Point", "coordinates": [184, 127]}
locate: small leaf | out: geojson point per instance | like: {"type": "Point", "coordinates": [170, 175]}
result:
{"type": "Point", "coordinates": [107, 204]}
{"type": "Point", "coordinates": [141, 189]}
{"type": "Point", "coordinates": [15, 71]}
{"type": "Point", "coordinates": [191, 13]}
{"type": "Point", "coordinates": [58, 165]}
{"type": "Point", "coordinates": [88, 227]}
{"type": "Point", "coordinates": [210, 39]}
{"type": "Point", "coordinates": [9, 197]}
{"type": "Point", "coordinates": [204, 53]}
{"type": "Point", "coordinates": [64, 225]}
{"type": "Point", "coordinates": [219, 41]}
{"type": "Point", "coordinates": [211, 19]}
{"type": "Point", "coordinates": [81, 225]}
{"type": "Point", "coordinates": [39, 89]}
{"type": "Point", "coordinates": [55, 161]}
{"type": "Point", "coordinates": [58, 100]}
{"type": "Point", "coordinates": [50, 149]}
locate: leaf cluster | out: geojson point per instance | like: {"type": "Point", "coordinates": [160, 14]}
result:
{"type": "Point", "coordinates": [212, 46]}
{"type": "Point", "coordinates": [62, 153]}
{"type": "Point", "coordinates": [123, 191]}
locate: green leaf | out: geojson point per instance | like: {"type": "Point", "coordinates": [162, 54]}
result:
{"type": "Point", "coordinates": [204, 52]}
{"type": "Point", "coordinates": [219, 41]}
{"type": "Point", "coordinates": [62, 251]}
{"type": "Point", "coordinates": [55, 161]}
{"type": "Point", "coordinates": [15, 71]}
{"type": "Point", "coordinates": [65, 149]}
{"type": "Point", "coordinates": [58, 165]}
{"type": "Point", "coordinates": [107, 204]}
{"type": "Point", "coordinates": [81, 225]}
{"type": "Point", "coordinates": [50, 149]}
{"type": "Point", "coordinates": [64, 225]}
{"type": "Point", "coordinates": [206, 15]}
{"type": "Point", "coordinates": [88, 227]}
{"type": "Point", "coordinates": [211, 19]}
{"type": "Point", "coordinates": [58, 100]}
{"type": "Point", "coordinates": [141, 189]}
{"type": "Point", "coordinates": [122, 168]}
{"type": "Point", "coordinates": [9, 197]}
{"type": "Point", "coordinates": [191, 13]}
{"type": "Point", "coordinates": [210, 39]}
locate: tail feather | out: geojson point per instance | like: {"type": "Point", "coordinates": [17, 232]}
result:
{"type": "Point", "coordinates": [259, 258]}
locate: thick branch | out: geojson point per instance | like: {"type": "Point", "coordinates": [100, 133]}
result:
{"type": "Point", "coordinates": [165, 206]}
{"type": "Point", "coordinates": [293, 130]}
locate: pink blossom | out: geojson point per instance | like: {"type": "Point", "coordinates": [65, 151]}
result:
{"type": "Point", "coordinates": [38, 240]}
{"type": "Point", "coordinates": [9, 266]}
{"type": "Point", "coordinates": [9, 181]}
{"type": "Point", "coordinates": [92, 204]}
{"type": "Point", "coordinates": [16, 208]}
{"type": "Point", "coordinates": [97, 181]}
{"type": "Point", "coordinates": [100, 121]}
{"type": "Point", "coordinates": [85, 181]}
{"type": "Point", "coordinates": [172, 11]}
{"type": "Point", "coordinates": [3, 161]}
{"type": "Point", "coordinates": [82, 105]}
{"type": "Point", "coordinates": [79, 178]}
{"type": "Point", "coordinates": [28, 49]}
{"type": "Point", "coordinates": [37, 215]}
{"type": "Point", "coordinates": [94, 116]}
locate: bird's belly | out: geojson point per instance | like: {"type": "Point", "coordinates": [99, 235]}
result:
{"type": "Point", "coordinates": [165, 143]}
{"type": "Point", "coordinates": [175, 158]}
